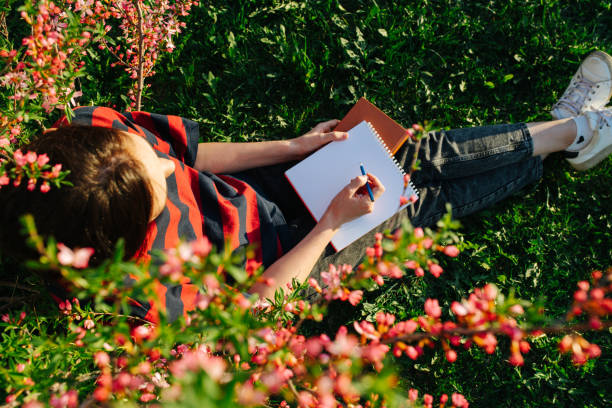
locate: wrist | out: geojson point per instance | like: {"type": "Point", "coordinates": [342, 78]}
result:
{"type": "Point", "coordinates": [329, 221]}
{"type": "Point", "coordinates": [295, 150]}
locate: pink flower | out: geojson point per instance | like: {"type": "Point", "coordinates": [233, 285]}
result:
{"type": "Point", "coordinates": [355, 297]}
{"type": "Point", "coordinates": [140, 333]}
{"type": "Point", "coordinates": [314, 284]}
{"type": "Point", "coordinates": [385, 319]}
{"type": "Point", "coordinates": [201, 247]}
{"type": "Point", "coordinates": [147, 397]}
{"type": "Point", "coordinates": [101, 359]}
{"type": "Point", "coordinates": [593, 351]}
{"type": "Point", "coordinates": [375, 353]}
{"type": "Point", "coordinates": [427, 399]}
{"type": "Point", "coordinates": [412, 352]}
{"type": "Point", "coordinates": [30, 157]}
{"type": "Point", "coordinates": [459, 400]}
{"type": "Point", "coordinates": [42, 159]}
{"type": "Point", "coordinates": [56, 170]}
{"type": "Point", "coordinates": [406, 180]}
{"type": "Point", "coordinates": [432, 308]}
{"type": "Point", "coordinates": [88, 324]}
{"type": "Point", "coordinates": [451, 355]}
{"type": "Point", "coordinates": [31, 184]}
{"type": "Point", "coordinates": [413, 394]}
{"type": "Point", "coordinates": [516, 359]}
{"type": "Point", "coordinates": [458, 309]}
{"type": "Point", "coordinates": [451, 250]}
{"type": "Point", "coordinates": [247, 395]}
{"type": "Point", "coordinates": [413, 198]}
{"type": "Point", "coordinates": [78, 258]}
{"type": "Point", "coordinates": [4, 180]}
{"type": "Point", "coordinates": [488, 341]}
{"type": "Point", "coordinates": [344, 344]}
{"type": "Point", "coordinates": [403, 200]}
{"type": "Point", "coordinates": [580, 296]}
{"type": "Point", "coordinates": [490, 291]}
{"type": "Point", "coordinates": [435, 269]}
{"type": "Point", "coordinates": [418, 232]}
{"type": "Point", "coordinates": [367, 330]}
{"type": "Point", "coordinates": [566, 343]}
{"type": "Point", "coordinates": [44, 187]}
{"type": "Point", "coordinates": [516, 309]}
{"type": "Point", "coordinates": [411, 264]}
{"type": "Point", "coordinates": [306, 399]}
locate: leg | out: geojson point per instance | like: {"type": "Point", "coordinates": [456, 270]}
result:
{"type": "Point", "coordinates": [461, 153]}
{"type": "Point", "coordinates": [473, 193]}
{"type": "Point", "coordinates": [551, 137]}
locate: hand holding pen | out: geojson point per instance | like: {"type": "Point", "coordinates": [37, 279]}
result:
{"type": "Point", "coordinates": [363, 173]}
{"type": "Point", "coordinates": [354, 200]}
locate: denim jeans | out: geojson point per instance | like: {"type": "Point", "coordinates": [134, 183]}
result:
{"type": "Point", "coordinates": [470, 168]}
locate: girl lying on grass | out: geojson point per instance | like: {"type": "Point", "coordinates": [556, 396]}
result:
{"type": "Point", "coordinates": [145, 177]}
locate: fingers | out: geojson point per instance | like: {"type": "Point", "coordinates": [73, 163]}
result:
{"type": "Point", "coordinates": [324, 127]}
{"type": "Point", "coordinates": [377, 187]}
{"type": "Point", "coordinates": [355, 184]}
{"type": "Point", "coordinates": [334, 136]}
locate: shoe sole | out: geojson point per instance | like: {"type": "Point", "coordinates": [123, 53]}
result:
{"type": "Point", "coordinates": [585, 160]}
{"type": "Point", "coordinates": [592, 161]}
{"type": "Point", "coordinates": [603, 56]}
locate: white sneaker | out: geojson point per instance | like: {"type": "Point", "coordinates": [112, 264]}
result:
{"type": "Point", "coordinates": [600, 145]}
{"type": "Point", "coordinates": [589, 89]}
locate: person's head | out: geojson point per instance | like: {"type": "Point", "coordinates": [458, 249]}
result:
{"type": "Point", "coordinates": [119, 186]}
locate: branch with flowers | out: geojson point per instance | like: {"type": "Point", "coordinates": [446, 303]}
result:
{"type": "Point", "coordinates": [39, 74]}
{"type": "Point", "coordinates": [235, 350]}
{"type": "Point", "coordinates": [32, 167]}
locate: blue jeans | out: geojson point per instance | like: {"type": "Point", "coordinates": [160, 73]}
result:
{"type": "Point", "coordinates": [470, 168]}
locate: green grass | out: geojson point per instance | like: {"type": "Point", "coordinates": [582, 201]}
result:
{"type": "Point", "coordinates": [272, 69]}
{"type": "Point", "coordinates": [260, 70]}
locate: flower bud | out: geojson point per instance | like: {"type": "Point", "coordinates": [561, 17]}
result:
{"type": "Point", "coordinates": [451, 250]}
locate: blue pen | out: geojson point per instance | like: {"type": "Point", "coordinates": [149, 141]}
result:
{"type": "Point", "coordinates": [363, 172]}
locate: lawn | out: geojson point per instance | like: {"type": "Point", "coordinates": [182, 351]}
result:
{"type": "Point", "coordinates": [262, 70]}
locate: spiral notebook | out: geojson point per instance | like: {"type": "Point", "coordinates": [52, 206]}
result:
{"type": "Point", "coordinates": [319, 177]}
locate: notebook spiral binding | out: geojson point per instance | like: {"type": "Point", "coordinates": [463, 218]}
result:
{"type": "Point", "coordinates": [397, 165]}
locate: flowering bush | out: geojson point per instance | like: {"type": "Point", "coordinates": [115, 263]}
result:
{"type": "Point", "coordinates": [237, 350]}
{"type": "Point", "coordinates": [232, 350]}
{"type": "Point", "coordinates": [40, 75]}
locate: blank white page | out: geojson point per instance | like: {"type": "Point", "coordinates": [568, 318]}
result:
{"type": "Point", "coordinates": [319, 177]}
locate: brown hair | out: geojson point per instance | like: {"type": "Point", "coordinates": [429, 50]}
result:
{"type": "Point", "coordinates": [111, 196]}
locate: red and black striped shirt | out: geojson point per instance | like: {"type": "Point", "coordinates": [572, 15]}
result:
{"type": "Point", "coordinates": [221, 207]}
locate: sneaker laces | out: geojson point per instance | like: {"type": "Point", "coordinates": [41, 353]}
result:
{"type": "Point", "coordinates": [574, 100]}
{"type": "Point", "coordinates": [604, 118]}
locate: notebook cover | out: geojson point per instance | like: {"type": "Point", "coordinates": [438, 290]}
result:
{"type": "Point", "coordinates": [393, 134]}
